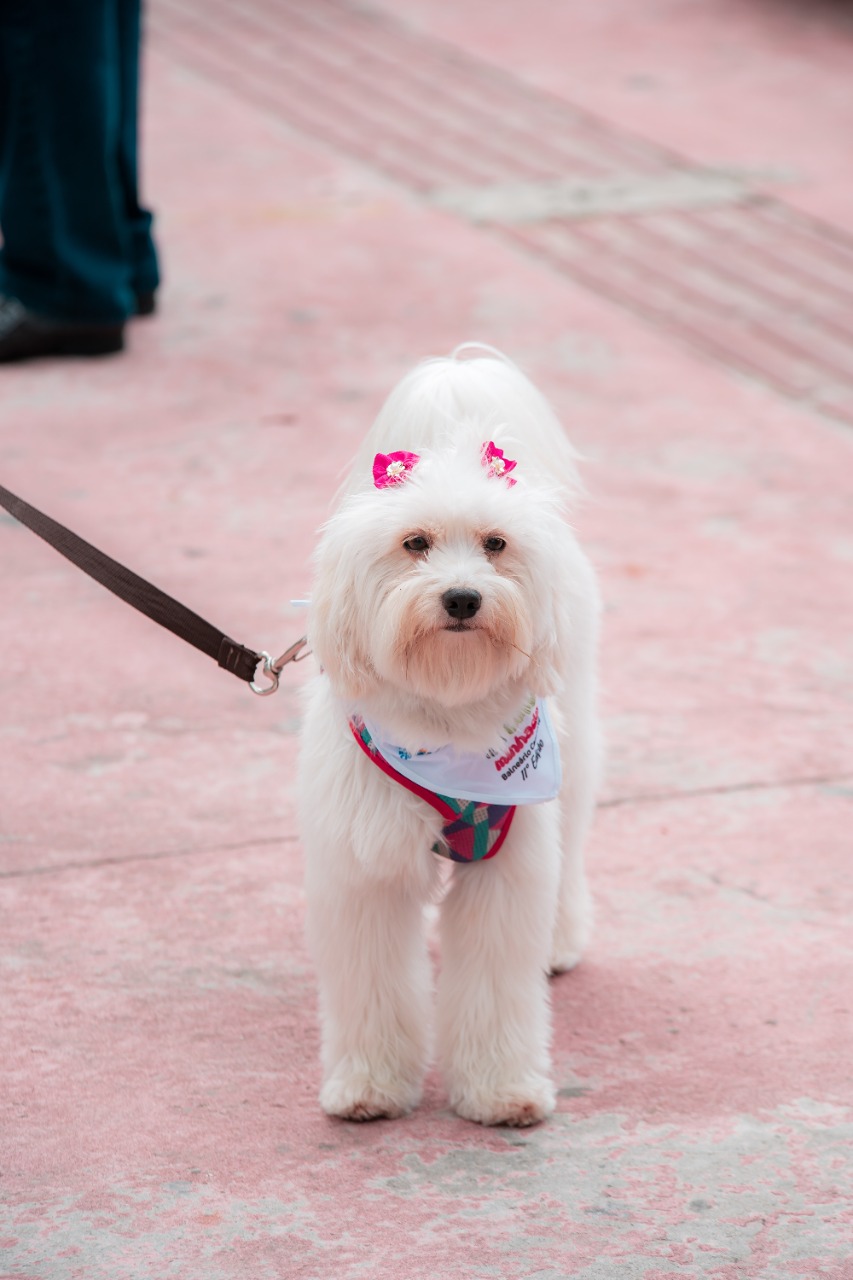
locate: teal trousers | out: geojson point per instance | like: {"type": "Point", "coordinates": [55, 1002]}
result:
{"type": "Point", "coordinates": [77, 244]}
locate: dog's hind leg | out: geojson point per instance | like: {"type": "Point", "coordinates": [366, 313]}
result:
{"type": "Point", "coordinates": [573, 922]}
{"type": "Point", "coordinates": [493, 1013]}
{"type": "Point", "coordinates": [581, 752]}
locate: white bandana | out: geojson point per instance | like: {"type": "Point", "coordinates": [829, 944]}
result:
{"type": "Point", "coordinates": [524, 769]}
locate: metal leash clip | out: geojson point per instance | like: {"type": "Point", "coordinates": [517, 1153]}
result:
{"type": "Point", "coordinates": [273, 669]}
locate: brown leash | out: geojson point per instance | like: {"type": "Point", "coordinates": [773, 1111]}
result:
{"type": "Point", "coordinates": [239, 659]}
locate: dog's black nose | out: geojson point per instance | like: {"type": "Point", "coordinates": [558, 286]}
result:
{"type": "Point", "coordinates": [461, 603]}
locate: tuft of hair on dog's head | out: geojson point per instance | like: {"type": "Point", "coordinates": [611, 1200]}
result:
{"type": "Point", "coordinates": [393, 562]}
{"type": "Point", "coordinates": [442, 397]}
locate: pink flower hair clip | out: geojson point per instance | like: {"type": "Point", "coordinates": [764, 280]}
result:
{"type": "Point", "coordinates": [496, 464]}
{"type": "Point", "coordinates": [393, 468]}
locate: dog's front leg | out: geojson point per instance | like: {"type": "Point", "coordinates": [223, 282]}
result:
{"type": "Point", "coordinates": [368, 874]}
{"type": "Point", "coordinates": [371, 959]}
{"type": "Point", "coordinates": [493, 1009]}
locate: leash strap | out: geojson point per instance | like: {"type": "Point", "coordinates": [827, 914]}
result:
{"type": "Point", "coordinates": [148, 599]}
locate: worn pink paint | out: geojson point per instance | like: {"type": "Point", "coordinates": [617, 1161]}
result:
{"type": "Point", "coordinates": [159, 1047]}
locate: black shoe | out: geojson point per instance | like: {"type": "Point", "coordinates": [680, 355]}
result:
{"type": "Point", "coordinates": [146, 303]}
{"type": "Point", "coordinates": [24, 334]}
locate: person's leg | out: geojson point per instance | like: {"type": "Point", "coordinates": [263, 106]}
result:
{"type": "Point", "coordinates": [66, 239]}
{"type": "Point", "coordinates": [143, 255]}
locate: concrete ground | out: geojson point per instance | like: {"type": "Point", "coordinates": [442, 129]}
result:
{"type": "Point", "coordinates": [646, 206]}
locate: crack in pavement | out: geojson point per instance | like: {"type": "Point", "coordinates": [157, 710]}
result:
{"type": "Point", "coordinates": [725, 789]}
{"type": "Point", "coordinates": [612, 803]}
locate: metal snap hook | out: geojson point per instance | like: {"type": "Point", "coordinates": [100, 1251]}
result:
{"type": "Point", "coordinates": [272, 669]}
{"type": "Point", "coordinates": [263, 691]}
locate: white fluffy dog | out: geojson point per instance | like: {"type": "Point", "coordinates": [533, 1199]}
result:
{"type": "Point", "coordinates": [451, 599]}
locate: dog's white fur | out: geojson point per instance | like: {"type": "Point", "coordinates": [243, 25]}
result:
{"type": "Point", "coordinates": [379, 630]}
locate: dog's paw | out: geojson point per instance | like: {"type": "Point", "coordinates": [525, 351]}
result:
{"type": "Point", "coordinates": [528, 1102]}
{"type": "Point", "coordinates": [562, 961]}
{"type": "Point", "coordinates": [357, 1097]}
{"type": "Point", "coordinates": [571, 934]}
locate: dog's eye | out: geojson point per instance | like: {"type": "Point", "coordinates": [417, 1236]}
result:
{"type": "Point", "coordinates": [417, 544]}
{"type": "Point", "coordinates": [494, 544]}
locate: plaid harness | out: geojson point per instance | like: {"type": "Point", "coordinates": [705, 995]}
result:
{"type": "Point", "coordinates": [472, 831]}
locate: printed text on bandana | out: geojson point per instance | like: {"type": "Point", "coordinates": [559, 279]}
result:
{"type": "Point", "coordinates": [523, 769]}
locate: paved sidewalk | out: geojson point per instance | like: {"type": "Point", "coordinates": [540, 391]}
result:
{"type": "Point", "coordinates": [650, 209]}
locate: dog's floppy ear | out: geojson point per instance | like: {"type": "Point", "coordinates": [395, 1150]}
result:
{"type": "Point", "coordinates": [568, 640]}
{"type": "Point", "coordinates": [549, 658]}
{"type": "Point", "coordinates": [335, 628]}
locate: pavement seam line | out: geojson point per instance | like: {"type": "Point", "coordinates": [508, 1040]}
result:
{"type": "Point", "coordinates": [155, 856]}
{"type": "Point", "coordinates": [615, 802]}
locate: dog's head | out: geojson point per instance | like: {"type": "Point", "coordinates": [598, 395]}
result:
{"type": "Point", "coordinates": [445, 578]}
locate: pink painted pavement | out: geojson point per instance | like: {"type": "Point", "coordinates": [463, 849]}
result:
{"type": "Point", "coordinates": [158, 1043]}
